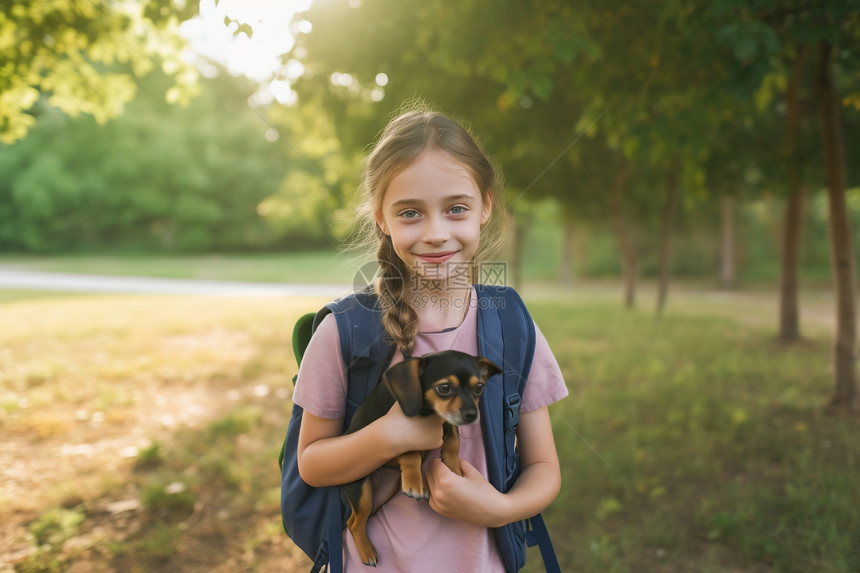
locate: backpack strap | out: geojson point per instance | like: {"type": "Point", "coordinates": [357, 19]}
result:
{"type": "Point", "coordinates": [364, 345]}
{"type": "Point", "coordinates": [506, 335]}
{"type": "Point", "coordinates": [366, 353]}
{"type": "Point", "coordinates": [538, 535]}
{"type": "Point", "coordinates": [314, 517]}
{"type": "Point", "coordinates": [334, 524]}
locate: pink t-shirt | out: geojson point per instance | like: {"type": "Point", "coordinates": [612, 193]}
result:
{"type": "Point", "coordinates": [407, 534]}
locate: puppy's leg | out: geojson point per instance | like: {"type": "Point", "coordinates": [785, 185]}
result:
{"type": "Point", "coordinates": [412, 482]}
{"type": "Point", "coordinates": [451, 448]}
{"type": "Point", "coordinates": [360, 497]}
{"type": "Point", "coordinates": [384, 495]}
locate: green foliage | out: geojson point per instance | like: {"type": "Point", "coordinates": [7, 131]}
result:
{"type": "Point", "coordinates": [562, 95]}
{"type": "Point", "coordinates": [43, 561]}
{"type": "Point", "coordinates": [691, 91]}
{"type": "Point", "coordinates": [160, 177]}
{"type": "Point", "coordinates": [149, 457]}
{"type": "Point", "coordinates": [84, 57]}
{"type": "Point", "coordinates": [50, 531]}
{"type": "Point", "coordinates": [165, 499]}
{"type": "Point", "coordinates": [238, 422]}
{"type": "Point", "coordinates": [55, 526]}
{"type": "Point", "coordinates": [696, 242]}
{"type": "Point", "coordinates": [160, 543]}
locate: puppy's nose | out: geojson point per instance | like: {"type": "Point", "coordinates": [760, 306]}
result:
{"type": "Point", "coordinates": [470, 416]}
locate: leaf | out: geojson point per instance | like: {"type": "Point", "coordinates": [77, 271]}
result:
{"type": "Point", "coordinates": [607, 507]}
{"type": "Point", "coordinates": [246, 29]}
{"type": "Point", "coordinates": [745, 48]}
{"type": "Point", "coordinates": [658, 491]}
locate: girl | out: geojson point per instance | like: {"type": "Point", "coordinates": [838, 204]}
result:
{"type": "Point", "coordinates": [431, 196]}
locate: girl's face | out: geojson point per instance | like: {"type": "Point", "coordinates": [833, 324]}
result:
{"type": "Point", "coordinates": [433, 212]}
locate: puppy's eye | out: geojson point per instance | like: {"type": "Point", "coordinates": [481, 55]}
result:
{"type": "Point", "coordinates": [478, 389]}
{"type": "Point", "coordinates": [444, 390]}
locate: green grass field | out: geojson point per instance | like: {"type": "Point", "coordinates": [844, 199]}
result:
{"type": "Point", "coordinates": [141, 433]}
{"type": "Point", "coordinates": [698, 443]}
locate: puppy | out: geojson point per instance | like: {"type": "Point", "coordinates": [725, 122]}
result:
{"type": "Point", "coordinates": [448, 384]}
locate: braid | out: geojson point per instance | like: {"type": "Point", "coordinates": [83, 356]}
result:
{"type": "Point", "coordinates": [399, 319]}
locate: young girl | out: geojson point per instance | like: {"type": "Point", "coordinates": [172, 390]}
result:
{"type": "Point", "coordinates": [431, 195]}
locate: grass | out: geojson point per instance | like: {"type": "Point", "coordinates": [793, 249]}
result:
{"type": "Point", "coordinates": [156, 419]}
{"type": "Point", "coordinates": [690, 443]}
{"type": "Point", "coordinates": [697, 439]}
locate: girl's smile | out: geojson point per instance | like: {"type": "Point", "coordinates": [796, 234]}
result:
{"type": "Point", "coordinates": [433, 212]}
{"type": "Point", "coordinates": [436, 257]}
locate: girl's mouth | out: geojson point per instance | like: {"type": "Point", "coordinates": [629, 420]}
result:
{"type": "Point", "coordinates": [436, 257]}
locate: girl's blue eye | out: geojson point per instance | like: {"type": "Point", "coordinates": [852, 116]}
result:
{"type": "Point", "coordinates": [409, 214]}
{"type": "Point", "coordinates": [458, 210]}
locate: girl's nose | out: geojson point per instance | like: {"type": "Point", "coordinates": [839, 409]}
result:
{"type": "Point", "coordinates": [436, 230]}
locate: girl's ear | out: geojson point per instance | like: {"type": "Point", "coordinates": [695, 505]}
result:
{"type": "Point", "coordinates": [380, 220]}
{"type": "Point", "coordinates": [486, 207]}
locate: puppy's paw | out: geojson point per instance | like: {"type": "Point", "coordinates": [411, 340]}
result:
{"type": "Point", "coordinates": [366, 550]}
{"type": "Point", "coordinates": [412, 484]}
{"type": "Point", "coordinates": [369, 556]}
{"type": "Point", "coordinates": [416, 493]}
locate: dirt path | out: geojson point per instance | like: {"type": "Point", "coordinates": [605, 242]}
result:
{"type": "Point", "coordinates": [72, 282]}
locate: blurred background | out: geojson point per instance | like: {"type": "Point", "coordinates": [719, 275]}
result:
{"type": "Point", "coordinates": [684, 181]}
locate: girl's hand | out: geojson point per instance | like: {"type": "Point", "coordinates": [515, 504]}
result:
{"type": "Point", "coordinates": [470, 497]}
{"type": "Point", "coordinates": [415, 433]}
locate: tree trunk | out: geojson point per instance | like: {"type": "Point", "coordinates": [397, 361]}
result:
{"type": "Point", "coordinates": [789, 305]}
{"type": "Point", "coordinates": [515, 272]}
{"type": "Point", "coordinates": [566, 263]}
{"type": "Point", "coordinates": [580, 246]}
{"type": "Point", "coordinates": [728, 253]}
{"type": "Point", "coordinates": [629, 269]}
{"type": "Point", "coordinates": [841, 248]}
{"type": "Point", "coordinates": [666, 237]}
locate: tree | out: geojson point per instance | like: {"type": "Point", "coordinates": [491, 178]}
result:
{"type": "Point", "coordinates": [756, 33]}
{"type": "Point", "coordinates": [362, 62]}
{"type": "Point", "coordinates": [84, 56]}
{"type": "Point", "coordinates": [842, 251]}
{"type": "Point", "coordinates": [789, 314]}
{"type": "Point", "coordinates": [160, 177]}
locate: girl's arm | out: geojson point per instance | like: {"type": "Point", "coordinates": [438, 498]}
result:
{"type": "Point", "coordinates": [472, 498]}
{"type": "Point", "coordinates": [325, 457]}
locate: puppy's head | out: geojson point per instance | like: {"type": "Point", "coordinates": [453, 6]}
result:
{"type": "Point", "coordinates": [449, 383]}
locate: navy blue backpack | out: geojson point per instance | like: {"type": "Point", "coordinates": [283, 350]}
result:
{"type": "Point", "coordinates": [314, 518]}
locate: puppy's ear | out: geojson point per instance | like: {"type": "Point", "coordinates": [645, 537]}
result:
{"type": "Point", "coordinates": [404, 383]}
{"type": "Point", "coordinates": [487, 369]}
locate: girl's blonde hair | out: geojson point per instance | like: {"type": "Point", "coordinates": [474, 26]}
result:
{"type": "Point", "coordinates": [404, 139]}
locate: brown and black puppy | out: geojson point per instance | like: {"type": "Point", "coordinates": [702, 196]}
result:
{"type": "Point", "coordinates": [447, 384]}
